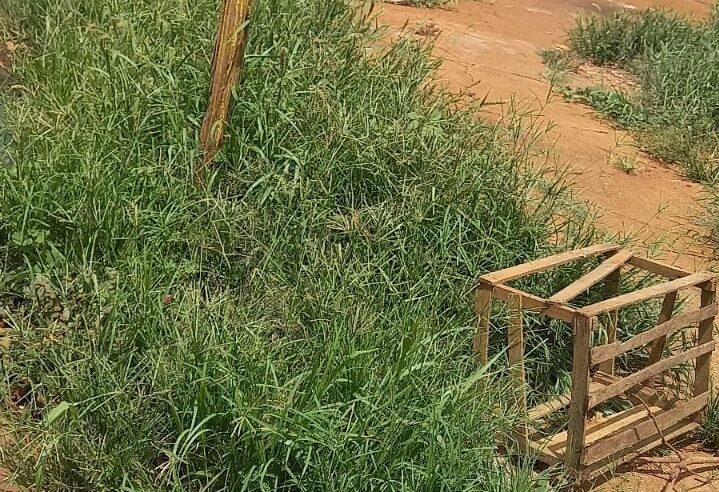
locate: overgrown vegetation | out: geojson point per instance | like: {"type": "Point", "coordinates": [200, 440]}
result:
{"type": "Point", "coordinates": [303, 324]}
{"type": "Point", "coordinates": [675, 61]}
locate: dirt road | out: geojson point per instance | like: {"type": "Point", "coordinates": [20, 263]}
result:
{"type": "Point", "coordinates": [494, 44]}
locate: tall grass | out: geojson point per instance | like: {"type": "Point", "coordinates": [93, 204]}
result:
{"type": "Point", "coordinates": [305, 323]}
{"type": "Point", "coordinates": [675, 60]}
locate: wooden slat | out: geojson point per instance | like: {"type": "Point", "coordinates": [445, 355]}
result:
{"type": "Point", "coordinates": [515, 355]}
{"type": "Point", "coordinates": [606, 352]}
{"type": "Point", "coordinates": [583, 328]}
{"type": "Point", "coordinates": [658, 268]}
{"type": "Point", "coordinates": [670, 300]}
{"type": "Point", "coordinates": [647, 293]}
{"type": "Point", "coordinates": [536, 303]}
{"type": "Point", "coordinates": [637, 394]}
{"type": "Point", "coordinates": [596, 428]}
{"type": "Point", "coordinates": [483, 312]}
{"type": "Point", "coordinates": [543, 264]}
{"type": "Point", "coordinates": [625, 384]}
{"type": "Point", "coordinates": [611, 290]}
{"type": "Point", "coordinates": [634, 434]}
{"type": "Point", "coordinates": [608, 465]}
{"type": "Point", "coordinates": [554, 405]}
{"type": "Point", "coordinates": [705, 336]}
{"type": "Point", "coordinates": [543, 454]}
{"type": "Point", "coordinates": [584, 283]}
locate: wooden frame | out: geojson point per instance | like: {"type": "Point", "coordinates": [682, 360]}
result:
{"type": "Point", "coordinates": [592, 447]}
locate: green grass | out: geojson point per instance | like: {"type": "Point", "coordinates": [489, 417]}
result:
{"type": "Point", "coordinates": [709, 431]}
{"type": "Point", "coordinates": [675, 60]}
{"type": "Point", "coordinates": [305, 323]}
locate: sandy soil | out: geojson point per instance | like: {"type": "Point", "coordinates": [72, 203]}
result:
{"type": "Point", "coordinates": [490, 48]}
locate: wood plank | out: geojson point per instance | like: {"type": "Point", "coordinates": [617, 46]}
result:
{"type": "Point", "coordinates": [705, 336]}
{"type": "Point", "coordinates": [658, 346]}
{"type": "Point", "coordinates": [658, 268]}
{"type": "Point", "coordinates": [535, 303]}
{"type": "Point", "coordinates": [609, 443]}
{"type": "Point", "coordinates": [578, 407]}
{"type": "Point", "coordinates": [605, 352]}
{"type": "Point", "coordinates": [611, 290]}
{"type": "Point", "coordinates": [543, 454]}
{"type": "Point", "coordinates": [483, 312]}
{"type": "Point", "coordinates": [546, 263]}
{"type": "Point", "coordinates": [584, 283]}
{"type": "Point", "coordinates": [515, 355]}
{"type": "Point", "coordinates": [596, 428]}
{"type": "Point", "coordinates": [625, 384]}
{"type": "Point", "coordinates": [558, 403]}
{"type": "Point", "coordinates": [637, 394]}
{"type": "Point", "coordinates": [648, 293]}
{"type": "Point", "coordinates": [623, 456]}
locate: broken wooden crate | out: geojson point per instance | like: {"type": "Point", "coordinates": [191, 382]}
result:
{"type": "Point", "coordinates": [590, 448]}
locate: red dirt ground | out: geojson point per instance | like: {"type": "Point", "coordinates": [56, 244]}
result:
{"type": "Point", "coordinates": [490, 47]}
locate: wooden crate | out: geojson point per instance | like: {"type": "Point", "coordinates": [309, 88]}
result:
{"type": "Point", "coordinates": [590, 448]}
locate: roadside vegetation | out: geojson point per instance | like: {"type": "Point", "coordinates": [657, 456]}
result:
{"type": "Point", "coordinates": [303, 323]}
{"type": "Point", "coordinates": [674, 112]}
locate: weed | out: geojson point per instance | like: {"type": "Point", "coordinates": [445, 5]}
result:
{"type": "Point", "coordinates": [625, 163]}
{"type": "Point", "coordinates": [614, 105]}
{"type": "Point", "coordinates": [709, 431]}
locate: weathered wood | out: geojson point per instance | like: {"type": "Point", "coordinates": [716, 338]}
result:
{"type": "Point", "coordinates": [624, 455]}
{"type": "Point", "coordinates": [647, 293]}
{"type": "Point", "coordinates": [584, 283]}
{"type": "Point", "coordinates": [611, 290]}
{"type": "Point", "coordinates": [665, 315]}
{"type": "Point", "coordinates": [227, 61]}
{"type": "Point", "coordinates": [536, 303]}
{"type": "Point", "coordinates": [596, 429]}
{"type": "Point", "coordinates": [606, 352]}
{"type": "Point", "coordinates": [631, 435]}
{"type": "Point", "coordinates": [483, 311]}
{"type": "Point", "coordinates": [636, 394]}
{"type": "Point", "coordinates": [543, 264]}
{"type": "Point", "coordinates": [555, 404]}
{"type": "Point", "coordinates": [658, 268]}
{"type": "Point", "coordinates": [625, 384]}
{"type": "Point", "coordinates": [705, 336]}
{"type": "Point", "coordinates": [578, 407]}
{"type": "Point", "coordinates": [515, 355]}
{"type": "Point", "coordinates": [543, 454]}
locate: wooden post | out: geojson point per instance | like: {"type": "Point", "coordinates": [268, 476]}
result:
{"type": "Point", "coordinates": [660, 343]}
{"type": "Point", "coordinates": [705, 335]}
{"type": "Point", "coordinates": [578, 408]}
{"type": "Point", "coordinates": [227, 60]}
{"type": "Point", "coordinates": [483, 311]}
{"type": "Point", "coordinates": [611, 289]}
{"type": "Point", "coordinates": [515, 337]}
